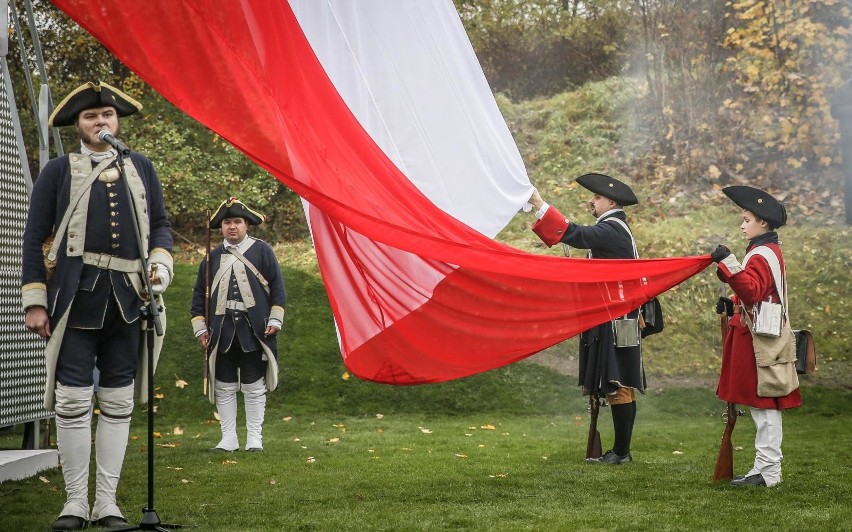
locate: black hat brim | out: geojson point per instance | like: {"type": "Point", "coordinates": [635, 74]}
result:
{"type": "Point", "coordinates": [761, 203]}
{"type": "Point", "coordinates": [608, 187]}
{"type": "Point", "coordinates": [89, 96]}
{"type": "Point", "coordinates": [233, 208]}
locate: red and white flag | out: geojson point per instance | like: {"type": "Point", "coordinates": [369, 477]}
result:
{"type": "Point", "coordinates": [377, 114]}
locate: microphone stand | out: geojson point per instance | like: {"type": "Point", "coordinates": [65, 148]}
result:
{"type": "Point", "coordinates": [150, 312]}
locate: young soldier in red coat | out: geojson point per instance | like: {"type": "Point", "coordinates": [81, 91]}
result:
{"type": "Point", "coordinates": [605, 370]}
{"type": "Point", "coordinates": [752, 282]}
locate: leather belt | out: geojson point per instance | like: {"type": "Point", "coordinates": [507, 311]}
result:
{"type": "Point", "coordinates": [110, 262]}
{"type": "Point", "coordinates": [235, 305]}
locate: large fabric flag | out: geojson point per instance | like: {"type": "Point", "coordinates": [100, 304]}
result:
{"type": "Point", "coordinates": [377, 114]}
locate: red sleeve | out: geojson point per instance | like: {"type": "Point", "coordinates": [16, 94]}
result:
{"type": "Point", "coordinates": [752, 284]}
{"type": "Point", "coordinates": [551, 228]}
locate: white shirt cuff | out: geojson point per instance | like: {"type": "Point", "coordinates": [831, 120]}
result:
{"type": "Point", "coordinates": [541, 212]}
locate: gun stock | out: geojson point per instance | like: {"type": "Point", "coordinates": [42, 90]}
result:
{"type": "Point", "coordinates": [593, 446]}
{"type": "Point", "coordinates": [725, 460]}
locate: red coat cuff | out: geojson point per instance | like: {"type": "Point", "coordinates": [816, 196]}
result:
{"type": "Point", "coordinates": [551, 227]}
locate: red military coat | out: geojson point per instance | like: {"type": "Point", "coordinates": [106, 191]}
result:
{"type": "Point", "coordinates": [738, 377]}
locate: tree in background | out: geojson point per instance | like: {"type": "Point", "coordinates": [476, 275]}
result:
{"type": "Point", "coordinates": [788, 58]}
{"type": "Point", "coordinates": [534, 48]}
{"type": "Point", "coordinates": [198, 168]}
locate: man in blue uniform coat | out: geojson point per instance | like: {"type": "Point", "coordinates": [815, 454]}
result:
{"type": "Point", "coordinates": [246, 308]}
{"type": "Point", "coordinates": [87, 295]}
{"type": "Point", "coordinates": [605, 370]}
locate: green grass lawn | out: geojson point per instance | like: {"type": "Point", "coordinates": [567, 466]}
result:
{"type": "Point", "coordinates": [500, 450]}
{"type": "Point", "coordinates": [478, 470]}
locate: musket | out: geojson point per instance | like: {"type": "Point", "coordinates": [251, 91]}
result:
{"type": "Point", "coordinates": [207, 303]}
{"type": "Point", "coordinates": [725, 460]}
{"type": "Point", "coordinates": [593, 446]}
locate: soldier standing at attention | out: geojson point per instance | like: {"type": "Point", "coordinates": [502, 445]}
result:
{"type": "Point", "coordinates": [246, 304]}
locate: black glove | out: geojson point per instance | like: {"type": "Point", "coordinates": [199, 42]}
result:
{"type": "Point", "coordinates": [719, 254]}
{"type": "Point", "coordinates": [726, 305]}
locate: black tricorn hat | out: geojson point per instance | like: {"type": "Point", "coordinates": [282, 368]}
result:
{"type": "Point", "coordinates": [608, 187]}
{"type": "Point", "coordinates": [759, 202]}
{"type": "Point", "coordinates": [234, 208]}
{"type": "Point", "coordinates": [88, 96]}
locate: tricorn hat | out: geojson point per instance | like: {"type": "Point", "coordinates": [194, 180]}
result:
{"type": "Point", "coordinates": [88, 96]}
{"type": "Point", "coordinates": [234, 208]}
{"type": "Point", "coordinates": [759, 202]}
{"type": "Point", "coordinates": [608, 187]}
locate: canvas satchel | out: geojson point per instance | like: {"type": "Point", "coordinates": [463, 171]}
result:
{"type": "Point", "coordinates": [776, 363]}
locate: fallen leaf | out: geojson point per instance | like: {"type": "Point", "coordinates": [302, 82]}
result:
{"type": "Point", "coordinates": [297, 439]}
{"type": "Point", "coordinates": [272, 482]}
{"type": "Point", "coordinates": [228, 462]}
{"type": "Point", "coordinates": [481, 445]}
{"type": "Point", "coordinates": [488, 427]}
{"type": "Point", "coordinates": [177, 431]}
{"type": "Point", "coordinates": [185, 481]}
{"type": "Point", "coordinates": [158, 435]}
{"type": "Point", "coordinates": [311, 460]}
{"type": "Point", "coordinates": [677, 452]}
{"type": "Point", "coordinates": [180, 383]}
{"type": "Point", "coordinates": [379, 416]}
{"type": "Point", "coordinates": [167, 445]}
{"type": "Point", "coordinates": [158, 396]}
{"type": "Point", "coordinates": [345, 376]}
{"type": "Point", "coordinates": [174, 468]}
{"type": "Point", "coordinates": [44, 479]}
{"type": "Point", "coordinates": [499, 475]}
{"type": "Point", "coordinates": [458, 455]}
{"type": "Point", "coordinates": [287, 418]}
{"type": "Point", "coordinates": [425, 430]}
{"type": "Point", "coordinates": [334, 440]}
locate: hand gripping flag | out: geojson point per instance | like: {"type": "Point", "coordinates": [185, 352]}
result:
{"type": "Point", "coordinates": [378, 115]}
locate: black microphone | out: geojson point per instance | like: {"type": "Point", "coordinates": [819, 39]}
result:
{"type": "Point", "coordinates": [106, 136]}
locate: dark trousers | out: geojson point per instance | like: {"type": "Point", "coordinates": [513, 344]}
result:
{"type": "Point", "coordinates": [250, 364]}
{"type": "Point", "coordinates": [113, 349]}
